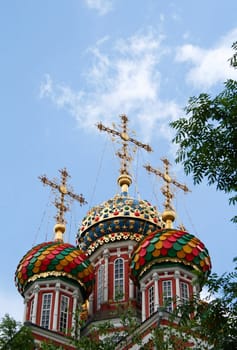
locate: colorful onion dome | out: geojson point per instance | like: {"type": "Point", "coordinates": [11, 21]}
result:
{"type": "Point", "coordinates": [55, 259]}
{"type": "Point", "coordinates": [169, 246]}
{"type": "Point", "coordinates": [121, 217]}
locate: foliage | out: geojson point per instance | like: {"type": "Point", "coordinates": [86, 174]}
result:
{"type": "Point", "coordinates": [50, 346]}
{"type": "Point", "coordinates": [170, 338]}
{"type": "Point", "coordinates": [233, 59]}
{"type": "Point", "coordinates": [215, 320]}
{"type": "Point", "coordinates": [14, 336]}
{"type": "Point", "coordinates": [207, 137]}
{"type": "Point", "coordinates": [105, 336]}
{"type": "Point", "coordinates": [222, 311]}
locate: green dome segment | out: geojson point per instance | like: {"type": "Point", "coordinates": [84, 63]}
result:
{"type": "Point", "coordinates": [169, 246]}
{"type": "Point", "coordinates": [55, 259]}
{"type": "Point", "coordinates": [121, 217]}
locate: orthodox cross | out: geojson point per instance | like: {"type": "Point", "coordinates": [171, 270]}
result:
{"type": "Point", "coordinates": [64, 191]}
{"type": "Point", "coordinates": [168, 180]}
{"type": "Point", "coordinates": [125, 137]}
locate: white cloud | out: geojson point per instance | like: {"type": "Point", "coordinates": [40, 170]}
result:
{"type": "Point", "coordinates": [102, 6]}
{"type": "Point", "coordinates": [125, 79]}
{"type": "Point", "coordinates": [208, 66]}
{"type": "Point", "coordinates": [46, 88]}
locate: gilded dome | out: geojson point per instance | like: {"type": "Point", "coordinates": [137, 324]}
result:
{"type": "Point", "coordinates": [170, 246]}
{"type": "Point", "coordinates": [121, 217]}
{"type": "Point", "coordinates": [55, 259]}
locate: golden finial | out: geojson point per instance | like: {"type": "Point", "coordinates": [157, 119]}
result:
{"type": "Point", "coordinates": [124, 180]}
{"type": "Point", "coordinates": [60, 228]}
{"type": "Point", "coordinates": [168, 215]}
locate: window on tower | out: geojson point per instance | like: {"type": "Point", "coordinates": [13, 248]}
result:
{"type": "Point", "coordinates": [64, 303]}
{"type": "Point", "coordinates": [100, 286]}
{"type": "Point", "coordinates": [167, 295]}
{"type": "Point", "coordinates": [184, 292]}
{"type": "Point", "coordinates": [119, 279]}
{"type": "Point", "coordinates": [151, 300]}
{"type": "Point", "coordinates": [45, 312]}
{"type": "Point", "coordinates": [31, 310]}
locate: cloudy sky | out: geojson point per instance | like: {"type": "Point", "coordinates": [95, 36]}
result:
{"type": "Point", "coordinates": [66, 65]}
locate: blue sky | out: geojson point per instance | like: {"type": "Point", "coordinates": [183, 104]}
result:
{"type": "Point", "coordinates": [66, 65]}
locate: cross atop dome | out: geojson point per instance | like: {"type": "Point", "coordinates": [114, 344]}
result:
{"type": "Point", "coordinates": [60, 204]}
{"type": "Point", "coordinates": [124, 180]}
{"type": "Point", "coordinates": [169, 213]}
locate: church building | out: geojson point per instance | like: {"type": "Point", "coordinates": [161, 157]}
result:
{"type": "Point", "coordinates": [127, 254]}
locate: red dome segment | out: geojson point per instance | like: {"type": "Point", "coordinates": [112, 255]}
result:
{"type": "Point", "coordinates": [55, 259]}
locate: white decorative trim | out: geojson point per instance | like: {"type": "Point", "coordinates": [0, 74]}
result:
{"type": "Point", "coordinates": [155, 277]}
{"type": "Point", "coordinates": [35, 306]}
{"type": "Point", "coordinates": [143, 288]}
{"type": "Point", "coordinates": [106, 274]}
{"type": "Point", "coordinates": [56, 302]}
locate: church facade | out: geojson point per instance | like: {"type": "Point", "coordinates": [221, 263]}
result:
{"type": "Point", "coordinates": [127, 254]}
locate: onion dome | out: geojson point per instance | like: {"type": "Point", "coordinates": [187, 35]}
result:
{"type": "Point", "coordinates": [55, 259]}
{"type": "Point", "coordinates": [170, 246]}
{"type": "Point", "coordinates": [120, 218]}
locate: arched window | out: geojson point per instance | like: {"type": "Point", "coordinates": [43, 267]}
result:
{"type": "Point", "coordinates": [184, 292]}
{"type": "Point", "coordinates": [31, 309]}
{"type": "Point", "coordinates": [64, 303]}
{"type": "Point", "coordinates": [167, 295]}
{"type": "Point", "coordinates": [45, 312]}
{"type": "Point", "coordinates": [151, 300]}
{"type": "Point", "coordinates": [119, 279]}
{"type": "Point", "coordinates": [100, 286]}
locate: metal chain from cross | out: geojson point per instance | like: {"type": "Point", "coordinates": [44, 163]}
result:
{"type": "Point", "coordinates": [123, 154]}
{"type": "Point", "coordinates": [166, 191]}
{"type": "Point", "coordinates": [64, 191]}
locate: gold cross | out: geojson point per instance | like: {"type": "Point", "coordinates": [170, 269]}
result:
{"type": "Point", "coordinates": [63, 190]}
{"type": "Point", "coordinates": [168, 180]}
{"type": "Point", "coordinates": [125, 137]}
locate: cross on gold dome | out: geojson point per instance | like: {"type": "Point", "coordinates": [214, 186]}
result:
{"type": "Point", "coordinates": [60, 204]}
{"type": "Point", "coordinates": [169, 195]}
{"type": "Point", "coordinates": [124, 179]}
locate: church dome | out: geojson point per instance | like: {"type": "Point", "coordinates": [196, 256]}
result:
{"type": "Point", "coordinates": [120, 218]}
{"type": "Point", "coordinates": [170, 246]}
{"type": "Point", "coordinates": [55, 259]}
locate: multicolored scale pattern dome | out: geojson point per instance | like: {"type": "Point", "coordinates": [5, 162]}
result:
{"type": "Point", "coordinates": [121, 217]}
{"type": "Point", "coordinates": [169, 246]}
{"type": "Point", "coordinates": [55, 259]}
